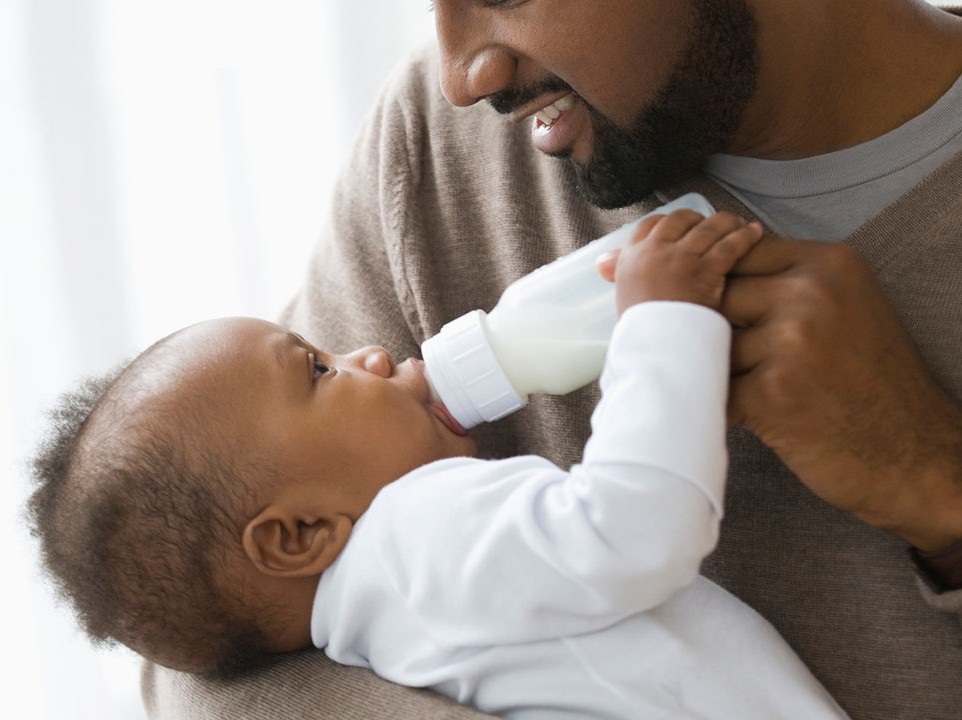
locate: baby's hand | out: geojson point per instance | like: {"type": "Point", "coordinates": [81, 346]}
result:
{"type": "Point", "coordinates": [682, 256]}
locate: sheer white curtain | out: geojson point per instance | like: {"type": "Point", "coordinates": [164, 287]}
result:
{"type": "Point", "coordinates": [160, 163]}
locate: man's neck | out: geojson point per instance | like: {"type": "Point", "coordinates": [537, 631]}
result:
{"type": "Point", "coordinates": [836, 73]}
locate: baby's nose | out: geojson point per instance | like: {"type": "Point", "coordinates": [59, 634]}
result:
{"type": "Point", "coordinates": [376, 360]}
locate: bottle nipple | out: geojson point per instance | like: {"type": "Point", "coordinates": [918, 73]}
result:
{"type": "Point", "coordinates": [463, 371]}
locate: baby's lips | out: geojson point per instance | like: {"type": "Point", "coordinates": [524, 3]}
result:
{"type": "Point", "coordinates": [434, 400]}
{"type": "Point", "coordinates": [448, 419]}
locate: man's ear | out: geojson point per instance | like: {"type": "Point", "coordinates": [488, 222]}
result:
{"type": "Point", "coordinates": [285, 544]}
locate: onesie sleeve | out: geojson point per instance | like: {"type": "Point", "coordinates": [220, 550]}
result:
{"type": "Point", "coordinates": [519, 550]}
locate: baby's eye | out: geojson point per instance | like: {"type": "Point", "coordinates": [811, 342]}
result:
{"type": "Point", "coordinates": [319, 369]}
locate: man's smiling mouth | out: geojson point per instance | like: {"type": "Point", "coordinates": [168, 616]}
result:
{"type": "Point", "coordinates": [546, 116]}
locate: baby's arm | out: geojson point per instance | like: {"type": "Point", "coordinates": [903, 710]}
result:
{"type": "Point", "coordinates": [539, 552]}
{"type": "Point", "coordinates": [640, 512]}
{"type": "Point", "coordinates": [660, 426]}
{"type": "Point", "coordinates": [519, 550]}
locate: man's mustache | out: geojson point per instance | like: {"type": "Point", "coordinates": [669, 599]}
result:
{"type": "Point", "coordinates": [508, 100]}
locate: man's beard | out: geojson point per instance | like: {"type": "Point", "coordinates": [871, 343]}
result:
{"type": "Point", "coordinates": [695, 115]}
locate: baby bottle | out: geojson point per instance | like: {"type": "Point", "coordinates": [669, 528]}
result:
{"type": "Point", "coordinates": [548, 333]}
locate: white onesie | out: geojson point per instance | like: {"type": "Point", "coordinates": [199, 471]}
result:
{"type": "Point", "coordinates": [534, 593]}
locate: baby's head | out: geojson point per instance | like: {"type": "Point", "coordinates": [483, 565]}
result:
{"type": "Point", "coordinates": [187, 506]}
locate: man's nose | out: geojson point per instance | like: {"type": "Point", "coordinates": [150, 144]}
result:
{"type": "Point", "coordinates": [473, 64]}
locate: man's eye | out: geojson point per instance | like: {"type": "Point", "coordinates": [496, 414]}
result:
{"type": "Point", "coordinates": [485, 3]}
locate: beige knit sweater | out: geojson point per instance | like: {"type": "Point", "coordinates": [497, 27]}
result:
{"type": "Point", "coordinates": [438, 211]}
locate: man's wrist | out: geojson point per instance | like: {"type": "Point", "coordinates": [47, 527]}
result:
{"type": "Point", "coordinates": [943, 568]}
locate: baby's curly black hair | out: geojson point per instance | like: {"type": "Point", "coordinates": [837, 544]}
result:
{"type": "Point", "coordinates": [134, 509]}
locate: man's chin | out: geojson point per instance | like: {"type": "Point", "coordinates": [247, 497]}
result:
{"type": "Point", "coordinates": [605, 195]}
{"type": "Point", "coordinates": [607, 191]}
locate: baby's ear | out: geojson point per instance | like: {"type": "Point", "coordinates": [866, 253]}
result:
{"type": "Point", "coordinates": [283, 544]}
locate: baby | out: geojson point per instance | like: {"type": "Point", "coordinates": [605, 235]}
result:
{"type": "Point", "coordinates": [236, 492]}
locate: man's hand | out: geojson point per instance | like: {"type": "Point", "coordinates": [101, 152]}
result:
{"type": "Point", "coordinates": [825, 375]}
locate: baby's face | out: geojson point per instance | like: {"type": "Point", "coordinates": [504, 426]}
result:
{"type": "Point", "coordinates": [347, 424]}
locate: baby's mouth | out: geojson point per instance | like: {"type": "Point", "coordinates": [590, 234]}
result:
{"type": "Point", "coordinates": [448, 419]}
{"type": "Point", "coordinates": [435, 403]}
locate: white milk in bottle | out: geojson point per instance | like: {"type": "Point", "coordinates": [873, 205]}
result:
{"type": "Point", "coordinates": [548, 333]}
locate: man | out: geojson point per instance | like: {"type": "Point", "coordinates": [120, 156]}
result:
{"type": "Point", "coordinates": [836, 120]}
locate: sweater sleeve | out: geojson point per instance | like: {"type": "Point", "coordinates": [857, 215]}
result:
{"type": "Point", "coordinates": [519, 550]}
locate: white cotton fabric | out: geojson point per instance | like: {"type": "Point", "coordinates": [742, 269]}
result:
{"type": "Point", "coordinates": [533, 593]}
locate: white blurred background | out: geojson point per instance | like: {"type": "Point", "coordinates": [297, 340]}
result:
{"type": "Point", "coordinates": [161, 162]}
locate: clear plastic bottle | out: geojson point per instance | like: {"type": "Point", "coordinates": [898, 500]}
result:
{"type": "Point", "coordinates": [548, 333]}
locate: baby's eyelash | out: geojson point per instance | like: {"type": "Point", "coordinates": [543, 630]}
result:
{"type": "Point", "coordinates": [318, 368]}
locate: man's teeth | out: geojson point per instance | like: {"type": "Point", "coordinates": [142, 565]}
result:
{"type": "Point", "coordinates": [548, 115]}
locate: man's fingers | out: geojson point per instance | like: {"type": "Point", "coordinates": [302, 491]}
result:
{"type": "Point", "coordinates": [749, 348]}
{"type": "Point", "coordinates": [739, 389]}
{"type": "Point", "coordinates": [748, 299]}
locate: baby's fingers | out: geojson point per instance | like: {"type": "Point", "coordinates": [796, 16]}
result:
{"type": "Point", "coordinates": [606, 264]}
{"type": "Point", "coordinates": [647, 224]}
{"type": "Point", "coordinates": [703, 235]}
{"type": "Point", "coordinates": [731, 247]}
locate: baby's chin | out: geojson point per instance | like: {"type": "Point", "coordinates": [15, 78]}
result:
{"type": "Point", "coordinates": [469, 445]}
{"type": "Point", "coordinates": [459, 446]}
{"type": "Point", "coordinates": [472, 448]}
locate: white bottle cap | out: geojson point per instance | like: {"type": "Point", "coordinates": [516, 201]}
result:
{"type": "Point", "coordinates": [463, 369]}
